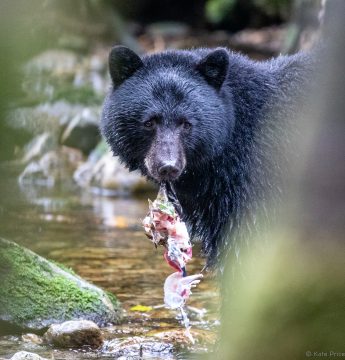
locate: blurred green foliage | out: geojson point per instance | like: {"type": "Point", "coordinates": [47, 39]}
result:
{"type": "Point", "coordinates": [288, 300]}
{"type": "Point", "coordinates": [219, 10]}
{"type": "Point", "coordinates": [284, 294]}
{"type": "Point", "coordinates": [216, 10]}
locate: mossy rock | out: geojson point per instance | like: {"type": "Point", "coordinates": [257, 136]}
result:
{"type": "Point", "coordinates": [36, 293]}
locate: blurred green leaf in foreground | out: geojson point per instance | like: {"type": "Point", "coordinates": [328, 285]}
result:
{"type": "Point", "coordinates": [285, 298]}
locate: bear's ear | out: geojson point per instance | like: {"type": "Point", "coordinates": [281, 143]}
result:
{"type": "Point", "coordinates": [123, 63]}
{"type": "Point", "coordinates": [214, 67]}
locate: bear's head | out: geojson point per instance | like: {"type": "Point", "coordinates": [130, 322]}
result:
{"type": "Point", "coordinates": [167, 113]}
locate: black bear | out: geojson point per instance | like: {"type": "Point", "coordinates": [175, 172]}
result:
{"type": "Point", "coordinates": [213, 124]}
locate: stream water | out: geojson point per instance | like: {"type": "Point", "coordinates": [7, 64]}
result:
{"type": "Point", "coordinates": [102, 240]}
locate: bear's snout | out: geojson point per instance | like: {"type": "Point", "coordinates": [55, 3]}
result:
{"type": "Point", "coordinates": [165, 160]}
{"type": "Point", "coordinates": [164, 169]}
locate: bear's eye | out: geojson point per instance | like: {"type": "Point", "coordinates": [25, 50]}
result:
{"type": "Point", "coordinates": [187, 125]}
{"type": "Point", "coordinates": [184, 123]}
{"type": "Point", "coordinates": [149, 124]}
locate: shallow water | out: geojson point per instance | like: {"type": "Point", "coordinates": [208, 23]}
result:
{"type": "Point", "coordinates": [102, 240]}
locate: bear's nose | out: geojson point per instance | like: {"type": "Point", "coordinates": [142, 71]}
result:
{"type": "Point", "coordinates": [168, 172]}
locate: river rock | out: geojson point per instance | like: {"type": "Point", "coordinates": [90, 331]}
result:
{"type": "Point", "coordinates": [53, 167]}
{"type": "Point", "coordinates": [82, 131]}
{"type": "Point", "coordinates": [32, 338]}
{"type": "Point", "coordinates": [73, 125]}
{"type": "Point", "coordinates": [62, 74]}
{"type": "Point", "coordinates": [138, 348]}
{"type": "Point", "coordinates": [24, 355]}
{"type": "Point", "coordinates": [167, 29]}
{"type": "Point", "coordinates": [74, 334]}
{"type": "Point", "coordinates": [55, 62]}
{"type": "Point", "coordinates": [38, 146]}
{"type": "Point", "coordinates": [34, 120]}
{"type": "Point", "coordinates": [108, 173]}
{"type": "Point", "coordinates": [50, 117]}
{"type": "Point", "coordinates": [36, 293]}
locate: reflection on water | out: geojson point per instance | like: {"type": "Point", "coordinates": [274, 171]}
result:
{"type": "Point", "coordinates": [102, 240]}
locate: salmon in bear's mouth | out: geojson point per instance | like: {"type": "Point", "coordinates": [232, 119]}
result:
{"type": "Point", "coordinates": [164, 227]}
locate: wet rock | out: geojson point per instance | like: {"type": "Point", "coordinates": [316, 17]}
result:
{"type": "Point", "coordinates": [53, 167]}
{"type": "Point", "coordinates": [178, 336]}
{"type": "Point", "coordinates": [82, 132]}
{"type": "Point", "coordinates": [35, 120]}
{"type": "Point", "coordinates": [108, 173]}
{"type": "Point", "coordinates": [38, 146]}
{"type": "Point", "coordinates": [34, 173]}
{"type": "Point", "coordinates": [55, 62]}
{"type": "Point", "coordinates": [51, 117]}
{"type": "Point", "coordinates": [74, 334]}
{"type": "Point", "coordinates": [168, 29]}
{"type": "Point", "coordinates": [61, 122]}
{"type": "Point", "coordinates": [62, 74]}
{"type": "Point", "coordinates": [138, 348]}
{"type": "Point", "coordinates": [259, 44]}
{"type": "Point", "coordinates": [32, 338]}
{"type": "Point", "coordinates": [46, 293]}
{"type": "Point", "coordinates": [24, 355]}
{"type": "Point", "coordinates": [267, 40]}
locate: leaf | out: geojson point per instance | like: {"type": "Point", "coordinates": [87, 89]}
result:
{"type": "Point", "coordinates": [141, 308]}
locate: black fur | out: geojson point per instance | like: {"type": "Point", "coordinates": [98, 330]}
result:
{"type": "Point", "coordinates": [240, 112]}
{"type": "Point", "coordinates": [123, 63]}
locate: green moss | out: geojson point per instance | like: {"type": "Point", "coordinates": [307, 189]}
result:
{"type": "Point", "coordinates": [83, 95]}
{"type": "Point", "coordinates": [63, 267]}
{"type": "Point", "coordinates": [32, 290]}
{"type": "Point", "coordinates": [113, 299]}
